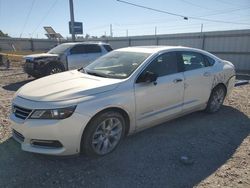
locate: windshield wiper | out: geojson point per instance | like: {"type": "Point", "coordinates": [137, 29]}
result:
{"type": "Point", "coordinates": [96, 74]}
{"type": "Point", "coordinates": [81, 69]}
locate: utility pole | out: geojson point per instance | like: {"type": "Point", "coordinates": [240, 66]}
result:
{"type": "Point", "coordinates": [127, 32]}
{"type": "Point", "coordinates": [202, 38]}
{"type": "Point", "coordinates": [72, 19]}
{"type": "Point", "coordinates": [111, 31]}
{"type": "Point", "coordinates": [155, 30]}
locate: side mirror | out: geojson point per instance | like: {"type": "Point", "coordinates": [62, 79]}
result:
{"type": "Point", "coordinates": [147, 77]}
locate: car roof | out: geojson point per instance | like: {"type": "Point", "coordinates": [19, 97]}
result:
{"type": "Point", "coordinates": [89, 42]}
{"type": "Point", "coordinates": [155, 49]}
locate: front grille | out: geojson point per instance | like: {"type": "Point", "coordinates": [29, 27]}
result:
{"type": "Point", "coordinates": [21, 112]}
{"type": "Point", "coordinates": [29, 65]}
{"type": "Point", "coordinates": [18, 135]}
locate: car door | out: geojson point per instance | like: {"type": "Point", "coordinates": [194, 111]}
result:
{"type": "Point", "coordinates": [198, 80]}
{"type": "Point", "coordinates": [159, 100]}
{"type": "Point", "coordinates": [77, 57]}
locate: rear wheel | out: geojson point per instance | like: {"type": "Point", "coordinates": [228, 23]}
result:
{"type": "Point", "coordinates": [103, 134]}
{"type": "Point", "coordinates": [216, 99]}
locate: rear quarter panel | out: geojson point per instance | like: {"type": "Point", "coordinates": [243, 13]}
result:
{"type": "Point", "coordinates": [224, 72]}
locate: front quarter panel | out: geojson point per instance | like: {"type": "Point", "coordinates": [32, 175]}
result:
{"type": "Point", "coordinates": [122, 97]}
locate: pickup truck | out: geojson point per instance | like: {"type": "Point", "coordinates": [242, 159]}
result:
{"type": "Point", "coordinates": [66, 56]}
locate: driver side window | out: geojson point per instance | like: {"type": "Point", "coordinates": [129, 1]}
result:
{"type": "Point", "coordinates": [164, 64]}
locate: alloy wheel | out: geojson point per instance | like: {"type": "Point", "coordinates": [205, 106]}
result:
{"type": "Point", "coordinates": [55, 70]}
{"type": "Point", "coordinates": [217, 99]}
{"type": "Point", "coordinates": [107, 135]}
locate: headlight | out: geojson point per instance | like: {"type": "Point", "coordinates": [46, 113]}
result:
{"type": "Point", "coordinates": [60, 113]}
{"type": "Point", "coordinates": [41, 61]}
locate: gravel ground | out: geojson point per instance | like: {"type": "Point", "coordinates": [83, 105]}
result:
{"type": "Point", "coordinates": [198, 150]}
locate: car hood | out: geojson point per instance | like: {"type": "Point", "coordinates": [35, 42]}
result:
{"type": "Point", "coordinates": [42, 55]}
{"type": "Point", "coordinates": [66, 86]}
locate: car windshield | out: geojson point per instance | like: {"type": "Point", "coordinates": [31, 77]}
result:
{"type": "Point", "coordinates": [60, 49]}
{"type": "Point", "coordinates": [116, 64]}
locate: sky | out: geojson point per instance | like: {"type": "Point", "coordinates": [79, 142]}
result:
{"type": "Point", "coordinates": [26, 18]}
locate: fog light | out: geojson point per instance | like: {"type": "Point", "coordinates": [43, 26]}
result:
{"type": "Point", "coordinates": [46, 143]}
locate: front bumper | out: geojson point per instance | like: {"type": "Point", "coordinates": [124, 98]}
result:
{"type": "Point", "coordinates": [67, 132]}
{"type": "Point", "coordinates": [34, 69]}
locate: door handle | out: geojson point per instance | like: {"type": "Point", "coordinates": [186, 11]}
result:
{"type": "Point", "coordinates": [207, 74]}
{"type": "Point", "coordinates": [177, 80]}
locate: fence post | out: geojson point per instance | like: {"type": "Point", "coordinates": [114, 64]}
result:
{"type": "Point", "coordinates": [157, 41]}
{"type": "Point", "coordinates": [203, 42]}
{"type": "Point", "coordinates": [31, 45]}
{"type": "Point", "coordinates": [129, 41]}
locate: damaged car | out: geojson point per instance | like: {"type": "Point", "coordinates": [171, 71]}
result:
{"type": "Point", "coordinates": [66, 56]}
{"type": "Point", "coordinates": [125, 91]}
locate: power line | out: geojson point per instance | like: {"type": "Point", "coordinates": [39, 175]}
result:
{"type": "Point", "coordinates": [172, 20]}
{"type": "Point", "coordinates": [218, 21]}
{"type": "Point", "coordinates": [170, 27]}
{"type": "Point", "coordinates": [99, 27]}
{"type": "Point", "coordinates": [44, 17]}
{"type": "Point", "coordinates": [195, 5]}
{"type": "Point", "coordinates": [162, 27]}
{"type": "Point", "coordinates": [27, 17]}
{"type": "Point", "coordinates": [216, 12]}
{"type": "Point", "coordinates": [185, 17]}
{"type": "Point", "coordinates": [153, 9]}
{"type": "Point", "coordinates": [230, 3]}
{"type": "Point", "coordinates": [225, 11]}
{"type": "Point", "coordinates": [152, 29]}
{"type": "Point", "coordinates": [160, 21]}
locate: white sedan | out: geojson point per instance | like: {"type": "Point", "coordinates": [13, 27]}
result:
{"type": "Point", "coordinates": [123, 92]}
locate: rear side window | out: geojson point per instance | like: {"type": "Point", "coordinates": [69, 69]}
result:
{"type": "Point", "coordinates": [78, 49]}
{"type": "Point", "coordinates": [92, 48]}
{"type": "Point", "coordinates": [193, 60]}
{"type": "Point", "coordinates": [210, 61]}
{"type": "Point", "coordinates": [85, 49]}
{"type": "Point", "coordinates": [164, 64]}
{"type": "Point", "coordinates": [107, 47]}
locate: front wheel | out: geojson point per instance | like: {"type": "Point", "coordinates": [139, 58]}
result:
{"type": "Point", "coordinates": [103, 134]}
{"type": "Point", "coordinates": [216, 99]}
{"type": "Point", "coordinates": [53, 69]}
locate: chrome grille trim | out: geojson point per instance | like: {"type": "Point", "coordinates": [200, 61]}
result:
{"type": "Point", "coordinates": [20, 112]}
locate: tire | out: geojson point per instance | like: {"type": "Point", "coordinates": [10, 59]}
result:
{"type": "Point", "coordinates": [53, 69]}
{"type": "Point", "coordinates": [103, 134]}
{"type": "Point", "coordinates": [216, 99]}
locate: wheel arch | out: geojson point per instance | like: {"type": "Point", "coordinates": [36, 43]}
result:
{"type": "Point", "coordinates": [54, 62]}
{"type": "Point", "coordinates": [116, 109]}
{"type": "Point", "coordinates": [221, 84]}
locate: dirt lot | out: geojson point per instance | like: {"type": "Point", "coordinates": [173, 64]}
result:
{"type": "Point", "coordinates": [217, 146]}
